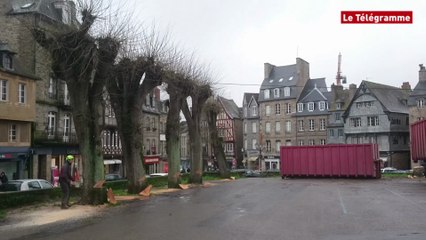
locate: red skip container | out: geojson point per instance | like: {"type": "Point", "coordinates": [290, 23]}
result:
{"type": "Point", "coordinates": [340, 160]}
{"type": "Point", "coordinates": [418, 140]}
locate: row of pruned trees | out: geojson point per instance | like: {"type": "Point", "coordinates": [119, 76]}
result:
{"type": "Point", "coordinates": [98, 53]}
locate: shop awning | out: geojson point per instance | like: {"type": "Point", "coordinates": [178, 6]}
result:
{"type": "Point", "coordinates": [112, 161]}
{"type": "Point", "coordinates": [13, 152]}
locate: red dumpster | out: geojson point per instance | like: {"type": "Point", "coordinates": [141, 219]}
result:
{"type": "Point", "coordinates": [342, 160]}
{"type": "Point", "coordinates": [418, 140]}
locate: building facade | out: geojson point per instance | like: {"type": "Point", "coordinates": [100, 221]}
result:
{"type": "Point", "coordinates": [339, 102]}
{"type": "Point", "coordinates": [278, 96]}
{"type": "Point", "coordinates": [17, 114]}
{"type": "Point", "coordinates": [251, 130]}
{"type": "Point", "coordinates": [230, 127]}
{"type": "Point", "coordinates": [54, 135]}
{"type": "Point", "coordinates": [379, 114]}
{"type": "Point", "coordinates": [312, 114]}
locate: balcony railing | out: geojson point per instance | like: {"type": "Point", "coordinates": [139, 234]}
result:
{"type": "Point", "coordinates": [55, 137]}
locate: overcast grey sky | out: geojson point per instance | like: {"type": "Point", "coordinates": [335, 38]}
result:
{"type": "Point", "coordinates": [237, 36]}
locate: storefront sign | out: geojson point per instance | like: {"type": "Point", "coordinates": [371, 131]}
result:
{"type": "Point", "coordinates": [5, 156]}
{"type": "Point", "coordinates": [151, 160]}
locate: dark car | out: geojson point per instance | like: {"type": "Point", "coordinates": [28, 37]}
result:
{"type": "Point", "coordinates": [113, 177]}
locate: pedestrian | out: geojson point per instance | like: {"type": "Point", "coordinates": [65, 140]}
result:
{"type": "Point", "coordinates": [3, 178]}
{"type": "Point", "coordinates": [65, 179]}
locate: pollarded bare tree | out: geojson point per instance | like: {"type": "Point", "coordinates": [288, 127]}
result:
{"type": "Point", "coordinates": [199, 92]}
{"type": "Point", "coordinates": [212, 108]}
{"type": "Point", "coordinates": [134, 76]}
{"type": "Point", "coordinates": [83, 62]}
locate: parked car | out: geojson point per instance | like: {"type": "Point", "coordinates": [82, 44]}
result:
{"type": "Point", "coordinates": [113, 177]}
{"type": "Point", "coordinates": [252, 173]}
{"type": "Point", "coordinates": [158, 174]}
{"type": "Point", "coordinates": [388, 170]}
{"type": "Point", "coordinates": [25, 185]}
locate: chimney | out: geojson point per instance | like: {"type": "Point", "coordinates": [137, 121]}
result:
{"type": "Point", "coordinates": [268, 69]}
{"type": "Point", "coordinates": [352, 90]}
{"type": "Point", "coordinates": [157, 93]}
{"type": "Point", "coordinates": [406, 86]}
{"type": "Point", "coordinates": [422, 73]}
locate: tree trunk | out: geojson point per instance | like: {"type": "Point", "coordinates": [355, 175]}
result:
{"type": "Point", "coordinates": [173, 139]}
{"type": "Point", "coordinates": [217, 145]}
{"type": "Point", "coordinates": [196, 175]}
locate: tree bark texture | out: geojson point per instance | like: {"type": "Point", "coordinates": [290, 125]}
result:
{"type": "Point", "coordinates": [173, 137]}
{"type": "Point", "coordinates": [217, 144]}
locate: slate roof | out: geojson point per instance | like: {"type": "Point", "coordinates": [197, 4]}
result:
{"type": "Point", "coordinates": [43, 7]}
{"type": "Point", "coordinates": [392, 98]}
{"type": "Point", "coordinates": [418, 91]}
{"type": "Point", "coordinates": [248, 97]}
{"type": "Point", "coordinates": [280, 77]}
{"type": "Point", "coordinates": [230, 107]}
{"type": "Point", "coordinates": [314, 90]}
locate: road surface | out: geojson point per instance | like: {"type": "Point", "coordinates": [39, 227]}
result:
{"type": "Point", "coordinates": [261, 209]}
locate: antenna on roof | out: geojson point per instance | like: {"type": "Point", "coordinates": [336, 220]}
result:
{"type": "Point", "coordinates": [339, 77]}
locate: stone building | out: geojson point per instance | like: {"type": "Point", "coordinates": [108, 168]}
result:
{"type": "Point", "coordinates": [379, 114]}
{"type": "Point", "coordinates": [417, 100]}
{"type": "Point", "coordinates": [311, 114]}
{"type": "Point", "coordinates": [251, 130]}
{"type": "Point", "coordinates": [230, 127]}
{"type": "Point", "coordinates": [278, 95]}
{"type": "Point", "coordinates": [338, 103]}
{"type": "Point", "coordinates": [17, 114]}
{"type": "Point", "coordinates": [54, 135]}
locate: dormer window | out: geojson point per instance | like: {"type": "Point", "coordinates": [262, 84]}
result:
{"type": "Point", "coordinates": [322, 106]}
{"type": "Point", "coordinates": [7, 61]}
{"type": "Point", "coordinates": [266, 93]}
{"type": "Point", "coordinates": [276, 93]}
{"type": "Point", "coordinates": [338, 106]}
{"type": "Point", "coordinates": [311, 106]}
{"type": "Point", "coordinates": [286, 92]}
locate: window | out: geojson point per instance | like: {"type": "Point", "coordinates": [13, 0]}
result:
{"type": "Point", "coordinates": [268, 127]}
{"type": "Point", "coordinates": [278, 109]}
{"type": "Point", "coordinates": [288, 108]}
{"type": "Point", "coordinates": [230, 147]}
{"type": "Point", "coordinates": [322, 141]}
{"type": "Point", "coordinates": [300, 107]}
{"type": "Point", "coordinates": [358, 105]}
{"type": "Point", "coordinates": [322, 124]}
{"type": "Point", "coordinates": [311, 107]}
{"type": "Point", "coordinates": [277, 127]}
{"type": "Point", "coordinates": [245, 144]}
{"type": "Point", "coordinates": [268, 110]}
{"type": "Point", "coordinates": [12, 132]}
{"type": "Point", "coordinates": [7, 62]}
{"type": "Point", "coordinates": [277, 145]}
{"type": "Point", "coordinates": [34, 185]}
{"type": "Point", "coordinates": [254, 111]}
{"type": "Point", "coordinates": [245, 111]}
{"type": "Point", "coordinates": [276, 93]}
{"type": "Point", "coordinates": [356, 122]}
{"type": "Point", "coordinates": [266, 93]}
{"type": "Point", "coordinates": [311, 124]}
{"type": "Point", "coordinates": [253, 127]}
{"type": "Point", "coordinates": [337, 116]}
{"type": "Point", "coordinates": [51, 124]}
{"type": "Point", "coordinates": [373, 121]}
{"type": "Point", "coordinates": [3, 90]}
{"type": "Point", "coordinates": [420, 103]}
{"type": "Point", "coordinates": [288, 126]}
{"type": "Point", "coordinates": [52, 87]}
{"type": "Point", "coordinates": [268, 146]}
{"type": "Point", "coordinates": [66, 127]}
{"type": "Point", "coordinates": [331, 132]}
{"type": "Point", "coordinates": [254, 144]}
{"type": "Point", "coordinates": [311, 142]}
{"type": "Point", "coordinates": [395, 140]}
{"type": "Point", "coordinates": [66, 95]}
{"type": "Point", "coordinates": [396, 121]}
{"type": "Point", "coordinates": [22, 93]}
{"type": "Point", "coordinates": [340, 132]}
{"type": "Point", "coordinates": [301, 128]}
{"type": "Point", "coordinates": [338, 106]}
{"type": "Point", "coordinates": [322, 106]}
{"type": "Point", "coordinates": [286, 92]}
{"type": "Point", "coordinates": [301, 143]}
{"type": "Point", "coordinates": [245, 127]}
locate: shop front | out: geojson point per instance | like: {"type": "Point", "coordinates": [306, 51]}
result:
{"type": "Point", "coordinates": [14, 162]}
